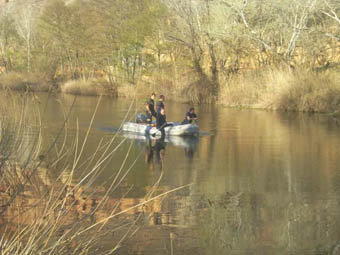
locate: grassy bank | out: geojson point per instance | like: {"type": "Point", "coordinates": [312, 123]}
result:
{"type": "Point", "coordinates": [287, 90]}
{"type": "Point", "coordinates": [142, 89]}
{"type": "Point", "coordinates": [25, 81]}
{"type": "Point", "coordinates": [89, 87]}
{"type": "Point", "coordinates": [274, 89]}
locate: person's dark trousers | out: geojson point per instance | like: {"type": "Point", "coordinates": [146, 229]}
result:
{"type": "Point", "coordinates": [154, 113]}
{"type": "Point", "coordinates": [162, 129]}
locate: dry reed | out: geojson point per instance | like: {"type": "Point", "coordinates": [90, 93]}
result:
{"type": "Point", "coordinates": [89, 87]}
{"type": "Point", "coordinates": [287, 90]}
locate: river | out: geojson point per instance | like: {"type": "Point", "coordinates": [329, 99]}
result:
{"type": "Point", "coordinates": [258, 182]}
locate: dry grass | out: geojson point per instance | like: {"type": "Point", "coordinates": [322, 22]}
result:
{"type": "Point", "coordinates": [188, 89]}
{"type": "Point", "coordinates": [128, 90]}
{"type": "Point", "coordinates": [25, 81]}
{"type": "Point", "coordinates": [141, 90]}
{"type": "Point", "coordinates": [288, 90]}
{"type": "Point", "coordinates": [90, 87]}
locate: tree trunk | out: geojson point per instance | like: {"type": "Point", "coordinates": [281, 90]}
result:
{"type": "Point", "coordinates": [213, 69]}
{"type": "Point", "coordinates": [28, 57]}
{"type": "Point", "coordinates": [197, 65]}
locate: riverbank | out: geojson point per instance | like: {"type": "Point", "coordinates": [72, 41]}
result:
{"type": "Point", "coordinates": [37, 82]}
{"type": "Point", "coordinates": [23, 81]}
{"type": "Point", "coordinates": [284, 90]}
{"type": "Point", "coordinates": [273, 89]}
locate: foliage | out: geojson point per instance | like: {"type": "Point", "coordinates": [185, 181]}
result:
{"type": "Point", "coordinates": [197, 45]}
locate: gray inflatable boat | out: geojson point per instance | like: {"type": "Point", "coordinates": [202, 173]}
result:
{"type": "Point", "coordinates": [175, 130]}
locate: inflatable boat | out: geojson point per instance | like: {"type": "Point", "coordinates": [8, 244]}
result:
{"type": "Point", "coordinates": [175, 130]}
{"type": "Point", "coordinates": [188, 142]}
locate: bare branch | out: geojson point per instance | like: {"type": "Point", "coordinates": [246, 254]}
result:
{"type": "Point", "coordinates": [299, 26]}
{"type": "Point", "coordinates": [333, 36]}
{"type": "Point", "coordinates": [241, 14]}
{"type": "Point", "coordinates": [332, 14]}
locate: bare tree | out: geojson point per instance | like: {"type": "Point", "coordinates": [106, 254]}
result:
{"type": "Point", "coordinates": [261, 20]}
{"type": "Point", "coordinates": [239, 9]}
{"type": "Point", "coordinates": [25, 22]}
{"type": "Point", "coordinates": [299, 20]}
{"type": "Point", "coordinates": [193, 27]}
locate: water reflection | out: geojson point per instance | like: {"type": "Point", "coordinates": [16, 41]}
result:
{"type": "Point", "coordinates": [155, 151]}
{"type": "Point", "coordinates": [187, 142]}
{"type": "Point", "coordinates": [155, 148]}
{"type": "Point", "coordinates": [265, 182]}
{"type": "Point", "coordinates": [87, 205]}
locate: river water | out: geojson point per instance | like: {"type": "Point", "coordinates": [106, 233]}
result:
{"type": "Point", "coordinates": [259, 182]}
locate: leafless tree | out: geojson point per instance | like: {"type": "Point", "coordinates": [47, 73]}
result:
{"type": "Point", "coordinates": [25, 22]}
{"type": "Point", "coordinates": [300, 14]}
{"type": "Point", "coordinates": [276, 27]}
{"type": "Point", "coordinates": [194, 29]}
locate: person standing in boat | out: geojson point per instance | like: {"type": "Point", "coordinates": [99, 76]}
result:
{"type": "Point", "coordinates": [161, 123]}
{"type": "Point", "coordinates": [189, 116]}
{"type": "Point", "coordinates": [160, 115]}
{"type": "Point", "coordinates": [151, 104]}
{"type": "Point", "coordinates": [160, 103]}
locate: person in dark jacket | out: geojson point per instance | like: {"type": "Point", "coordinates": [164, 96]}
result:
{"type": "Point", "coordinates": [151, 104]}
{"type": "Point", "coordinates": [160, 103]}
{"type": "Point", "coordinates": [161, 122]}
{"type": "Point", "coordinates": [189, 116]}
{"type": "Point", "coordinates": [161, 119]}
